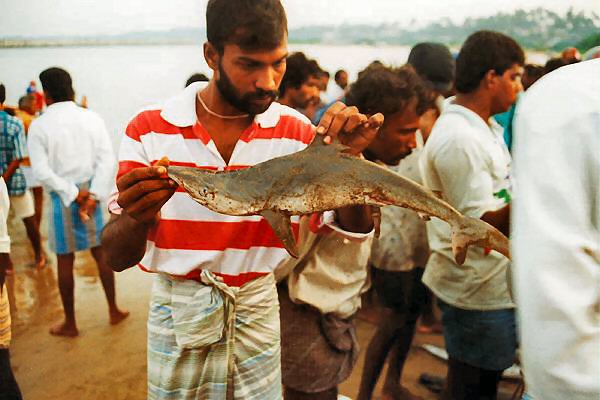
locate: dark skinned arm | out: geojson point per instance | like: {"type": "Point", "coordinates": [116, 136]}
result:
{"type": "Point", "coordinates": [12, 167]}
{"type": "Point", "coordinates": [142, 193]}
{"type": "Point", "coordinates": [355, 130]}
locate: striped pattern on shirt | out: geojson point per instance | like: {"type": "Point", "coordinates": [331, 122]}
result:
{"type": "Point", "coordinates": [190, 237]}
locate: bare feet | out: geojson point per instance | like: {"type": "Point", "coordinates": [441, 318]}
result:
{"type": "Point", "coordinates": [118, 316]}
{"type": "Point", "coordinates": [64, 329]}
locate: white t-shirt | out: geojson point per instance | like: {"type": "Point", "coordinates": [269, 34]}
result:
{"type": "Point", "coordinates": [468, 163]}
{"type": "Point", "coordinates": [556, 233]}
{"type": "Point", "coordinates": [4, 207]}
{"type": "Point", "coordinates": [402, 244]}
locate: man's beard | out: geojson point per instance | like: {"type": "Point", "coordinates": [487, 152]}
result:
{"type": "Point", "coordinates": [244, 102]}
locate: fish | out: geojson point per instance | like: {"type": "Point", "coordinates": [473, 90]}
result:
{"type": "Point", "coordinates": [326, 177]}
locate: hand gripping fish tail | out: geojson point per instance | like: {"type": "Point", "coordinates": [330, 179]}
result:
{"type": "Point", "coordinates": [467, 231]}
{"type": "Point", "coordinates": [325, 177]}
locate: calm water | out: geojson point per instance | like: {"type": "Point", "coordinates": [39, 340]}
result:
{"type": "Point", "coordinates": [119, 81]}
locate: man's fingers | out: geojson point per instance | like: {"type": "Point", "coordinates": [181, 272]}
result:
{"type": "Point", "coordinates": [375, 121]}
{"type": "Point", "coordinates": [140, 174]}
{"type": "Point", "coordinates": [340, 120]}
{"type": "Point", "coordinates": [354, 121]}
{"type": "Point", "coordinates": [142, 189]}
{"type": "Point", "coordinates": [328, 117]}
{"type": "Point", "coordinates": [150, 204]}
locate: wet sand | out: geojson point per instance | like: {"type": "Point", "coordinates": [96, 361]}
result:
{"type": "Point", "coordinates": [109, 362]}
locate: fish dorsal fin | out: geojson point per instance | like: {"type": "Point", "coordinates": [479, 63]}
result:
{"type": "Point", "coordinates": [334, 146]}
{"type": "Point", "coordinates": [282, 226]}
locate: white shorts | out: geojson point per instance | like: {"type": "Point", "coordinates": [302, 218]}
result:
{"type": "Point", "coordinates": [23, 205]}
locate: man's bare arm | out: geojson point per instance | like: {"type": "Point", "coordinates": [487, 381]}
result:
{"type": "Point", "coordinates": [142, 193]}
{"type": "Point", "coordinates": [355, 130]}
{"type": "Point", "coordinates": [124, 242]}
{"type": "Point", "coordinates": [500, 219]}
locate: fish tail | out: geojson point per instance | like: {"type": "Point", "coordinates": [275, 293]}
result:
{"type": "Point", "coordinates": [467, 231]}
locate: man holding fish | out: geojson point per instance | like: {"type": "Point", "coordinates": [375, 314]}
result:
{"type": "Point", "coordinates": [213, 329]}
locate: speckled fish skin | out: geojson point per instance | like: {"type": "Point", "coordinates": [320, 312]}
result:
{"type": "Point", "coordinates": [324, 177]}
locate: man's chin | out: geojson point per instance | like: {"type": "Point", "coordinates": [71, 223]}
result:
{"type": "Point", "coordinates": [259, 106]}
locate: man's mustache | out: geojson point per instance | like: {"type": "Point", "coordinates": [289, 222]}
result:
{"type": "Point", "coordinates": [261, 94]}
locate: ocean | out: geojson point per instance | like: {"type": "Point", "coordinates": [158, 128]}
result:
{"type": "Point", "coordinates": [118, 81]}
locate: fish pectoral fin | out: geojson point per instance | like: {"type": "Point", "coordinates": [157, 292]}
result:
{"type": "Point", "coordinates": [282, 226]}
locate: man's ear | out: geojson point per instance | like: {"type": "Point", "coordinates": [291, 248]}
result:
{"type": "Point", "coordinates": [212, 56]}
{"type": "Point", "coordinates": [489, 79]}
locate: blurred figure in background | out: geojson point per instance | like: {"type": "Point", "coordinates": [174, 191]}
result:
{"type": "Point", "coordinates": [467, 163]}
{"type": "Point", "coordinates": [570, 55]}
{"type": "Point", "coordinates": [531, 73]}
{"type": "Point", "coordinates": [27, 112]}
{"type": "Point", "coordinates": [39, 96]}
{"type": "Point", "coordinates": [13, 151]}
{"type": "Point", "coordinates": [337, 89]}
{"type": "Point", "coordinates": [72, 157]}
{"type": "Point", "coordinates": [556, 234]}
{"type": "Point", "coordinates": [9, 390]}
{"type": "Point", "coordinates": [300, 84]}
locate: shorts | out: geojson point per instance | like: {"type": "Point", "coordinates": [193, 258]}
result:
{"type": "Point", "coordinates": [483, 339]}
{"type": "Point", "coordinates": [401, 291]}
{"type": "Point", "coordinates": [22, 205]}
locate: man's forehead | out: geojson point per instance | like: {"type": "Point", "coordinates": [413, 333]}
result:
{"type": "Point", "coordinates": [235, 51]}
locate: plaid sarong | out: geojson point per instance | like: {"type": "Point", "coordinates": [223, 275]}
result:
{"type": "Point", "coordinates": [4, 318]}
{"type": "Point", "coordinates": [67, 233]}
{"type": "Point", "coordinates": [207, 340]}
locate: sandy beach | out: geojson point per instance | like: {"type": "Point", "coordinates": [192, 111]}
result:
{"type": "Point", "coordinates": [109, 362]}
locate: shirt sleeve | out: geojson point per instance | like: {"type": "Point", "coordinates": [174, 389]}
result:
{"type": "Point", "coordinates": [104, 166]}
{"type": "Point", "coordinates": [4, 206]}
{"type": "Point", "coordinates": [464, 174]}
{"type": "Point", "coordinates": [38, 152]}
{"type": "Point", "coordinates": [131, 156]}
{"type": "Point", "coordinates": [325, 223]}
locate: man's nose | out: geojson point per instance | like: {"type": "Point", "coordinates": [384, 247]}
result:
{"type": "Point", "coordinates": [266, 80]}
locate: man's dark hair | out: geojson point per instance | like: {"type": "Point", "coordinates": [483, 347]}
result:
{"type": "Point", "coordinates": [553, 64]}
{"type": "Point", "coordinates": [388, 90]}
{"type": "Point", "coordinates": [196, 78]}
{"type": "Point", "coordinates": [484, 51]}
{"type": "Point", "coordinates": [2, 94]}
{"type": "Point", "coordinates": [58, 84]}
{"type": "Point", "coordinates": [249, 24]}
{"type": "Point", "coordinates": [338, 73]}
{"type": "Point", "coordinates": [298, 70]}
{"type": "Point", "coordinates": [29, 98]}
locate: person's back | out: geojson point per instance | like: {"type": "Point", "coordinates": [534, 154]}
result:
{"type": "Point", "coordinates": [70, 130]}
{"type": "Point", "coordinates": [556, 233]}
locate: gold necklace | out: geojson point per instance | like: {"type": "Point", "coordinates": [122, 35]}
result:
{"type": "Point", "coordinates": [211, 112]}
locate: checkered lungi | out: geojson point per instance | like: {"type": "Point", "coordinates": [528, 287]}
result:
{"type": "Point", "coordinates": [67, 233]}
{"type": "Point", "coordinates": [207, 340]}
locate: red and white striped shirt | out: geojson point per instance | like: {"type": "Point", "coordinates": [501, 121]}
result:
{"type": "Point", "coordinates": [190, 237]}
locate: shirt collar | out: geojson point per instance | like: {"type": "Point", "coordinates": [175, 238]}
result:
{"type": "Point", "coordinates": [181, 109]}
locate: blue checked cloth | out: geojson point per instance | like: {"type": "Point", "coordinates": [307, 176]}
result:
{"type": "Point", "coordinates": [13, 146]}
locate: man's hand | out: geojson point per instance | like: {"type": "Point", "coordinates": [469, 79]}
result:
{"type": "Point", "coordinates": [354, 129]}
{"type": "Point", "coordinates": [143, 191]}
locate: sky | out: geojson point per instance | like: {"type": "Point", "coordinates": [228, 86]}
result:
{"type": "Point", "coordinates": [92, 17]}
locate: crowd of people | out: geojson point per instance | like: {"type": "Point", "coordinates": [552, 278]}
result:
{"type": "Point", "coordinates": [231, 314]}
